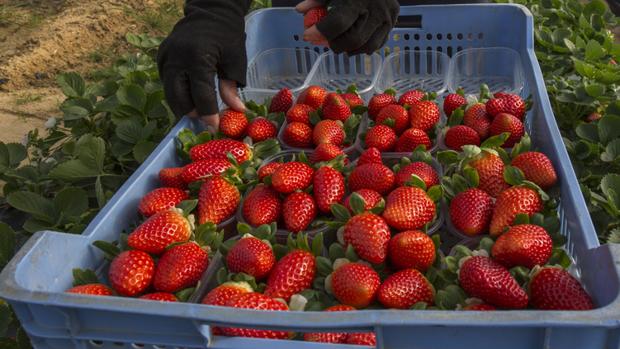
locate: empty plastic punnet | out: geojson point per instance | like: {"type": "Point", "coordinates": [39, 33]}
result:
{"type": "Point", "coordinates": [414, 69]}
{"type": "Point", "coordinates": [277, 68]}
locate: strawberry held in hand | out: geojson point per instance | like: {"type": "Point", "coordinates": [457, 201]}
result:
{"type": "Point", "coordinates": [483, 278]}
{"type": "Point", "coordinates": [354, 284]}
{"type": "Point", "coordinates": [159, 231]}
{"type": "Point", "coordinates": [314, 16]}
{"type": "Point", "coordinates": [161, 199]}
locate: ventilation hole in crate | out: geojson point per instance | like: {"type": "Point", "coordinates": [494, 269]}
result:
{"type": "Point", "coordinates": [96, 344]}
{"type": "Point", "coordinates": [407, 48]}
{"type": "Point", "coordinates": [159, 347]}
{"type": "Point", "coordinates": [416, 36]}
{"type": "Point", "coordinates": [449, 51]}
{"type": "Point", "coordinates": [480, 36]}
{"type": "Point", "coordinates": [386, 51]}
{"type": "Point", "coordinates": [470, 37]}
{"type": "Point", "coordinates": [429, 36]}
{"type": "Point", "coordinates": [416, 60]}
{"type": "Point", "coordinates": [407, 36]}
{"type": "Point", "coordinates": [396, 37]}
{"type": "Point", "coordinates": [316, 49]}
{"type": "Point", "coordinates": [439, 49]}
{"type": "Point", "coordinates": [439, 36]}
{"type": "Point", "coordinates": [137, 345]}
{"type": "Point", "coordinates": [296, 37]}
{"type": "Point", "coordinates": [118, 344]}
{"type": "Point", "coordinates": [459, 49]}
{"type": "Point", "coordinates": [449, 36]}
{"type": "Point", "coordinates": [325, 49]}
{"type": "Point", "coordinates": [459, 36]}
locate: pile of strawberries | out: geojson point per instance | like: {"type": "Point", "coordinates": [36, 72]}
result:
{"type": "Point", "coordinates": [404, 124]}
{"type": "Point", "coordinates": [324, 231]}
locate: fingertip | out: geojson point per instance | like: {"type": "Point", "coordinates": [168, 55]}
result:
{"type": "Point", "coordinates": [211, 122]}
{"type": "Point", "coordinates": [230, 95]}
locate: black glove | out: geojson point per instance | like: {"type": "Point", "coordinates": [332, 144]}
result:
{"type": "Point", "coordinates": [358, 26]}
{"type": "Point", "coordinates": [210, 39]}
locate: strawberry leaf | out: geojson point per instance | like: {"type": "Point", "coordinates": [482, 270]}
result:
{"type": "Point", "coordinates": [187, 206]}
{"type": "Point", "coordinates": [472, 176]}
{"type": "Point", "coordinates": [457, 117]}
{"type": "Point", "coordinates": [350, 254]}
{"type": "Point", "coordinates": [486, 244]}
{"type": "Point", "coordinates": [359, 110]}
{"type": "Point", "coordinates": [263, 232]}
{"type": "Point", "coordinates": [184, 294]}
{"type": "Point", "coordinates": [317, 245]}
{"type": "Point", "coordinates": [323, 266]}
{"type": "Point", "coordinates": [419, 306]}
{"type": "Point", "coordinates": [357, 203]}
{"type": "Point", "coordinates": [352, 89]}
{"type": "Point", "coordinates": [435, 193]}
{"type": "Point", "coordinates": [336, 251]}
{"type": "Point", "coordinates": [523, 146]}
{"type": "Point", "coordinates": [84, 277]}
{"type": "Point", "coordinates": [513, 175]}
{"type": "Point", "coordinates": [379, 207]}
{"type": "Point", "coordinates": [521, 218]}
{"type": "Point", "coordinates": [340, 212]}
{"type": "Point", "coordinates": [560, 257]}
{"type": "Point", "coordinates": [448, 157]}
{"type": "Point", "coordinates": [110, 250]}
{"type": "Point", "coordinates": [222, 275]}
{"type": "Point", "coordinates": [495, 141]}
{"type": "Point", "coordinates": [315, 117]}
{"type": "Point", "coordinates": [280, 251]}
{"type": "Point", "coordinates": [538, 219]}
{"type": "Point", "coordinates": [521, 274]}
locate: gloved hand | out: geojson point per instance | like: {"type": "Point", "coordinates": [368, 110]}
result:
{"type": "Point", "coordinates": [352, 26]}
{"type": "Point", "coordinates": [210, 39]}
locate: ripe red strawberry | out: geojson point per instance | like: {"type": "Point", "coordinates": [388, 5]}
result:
{"type": "Point", "coordinates": [159, 231]}
{"type": "Point", "coordinates": [314, 96]}
{"type": "Point", "coordinates": [370, 156]}
{"type": "Point", "coordinates": [171, 177]}
{"type": "Point", "coordinates": [495, 106]}
{"type": "Point", "coordinates": [292, 176]}
{"type": "Point", "coordinates": [483, 278]}
{"type": "Point", "coordinates": [329, 337]}
{"type": "Point", "coordinates": [328, 188]}
{"type": "Point", "coordinates": [381, 137]}
{"type": "Point", "coordinates": [160, 296]}
{"type": "Point", "coordinates": [203, 169]}
{"type": "Point", "coordinates": [452, 102]}
{"type": "Point", "coordinates": [507, 123]}
{"type": "Point", "coordinates": [369, 235]}
{"type": "Point", "coordinates": [362, 338]}
{"type": "Point", "coordinates": [396, 116]}
{"type": "Point", "coordinates": [299, 113]}
{"type": "Point", "coordinates": [372, 176]}
{"type": "Point", "coordinates": [223, 293]}
{"type": "Point", "coordinates": [298, 211]}
{"type": "Point", "coordinates": [424, 115]}
{"type": "Point", "coordinates": [261, 206]}
{"type": "Point", "coordinates": [261, 129]}
{"type": "Point", "coordinates": [352, 99]}
{"type": "Point", "coordinates": [371, 199]}
{"type": "Point", "coordinates": [355, 284]}
{"type": "Point", "coordinates": [281, 101]}
{"type": "Point", "coordinates": [131, 272]}
{"type": "Point", "coordinates": [555, 289]}
{"type": "Point", "coordinates": [405, 288]}
{"type": "Point", "coordinates": [411, 139]}
{"type": "Point", "coordinates": [251, 256]}
{"type": "Point", "coordinates": [460, 135]}
{"type": "Point", "coordinates": [335, 108]}
{"type": "Point", "coordinates": [298, 135]}
{"type": "Point", "coordinates": [161, 199]}
{"type": "Point", "coordinates": [268, 170]}
{"type": "Point", "coordinates": [410, 97]}
{"type": "Point", "coordinates": [510, 203]}
{"type": "Point", "coordinates": [291, 275]}
{"type": "Point", "coordinates": [325, 152]}
{"type": "Point", "coordinates": [180, 267]}
{"type": "Point", "coordinates": [314, 16]}
{"type": "Point", "coordinates": [490, 169]}
{"type": "Point", "coordinates": [471, 211]}
{"type": "Point", "coordinates": [378, 102]}
{"type": "Point", "coordinates": [524, 245]}
{"type": "Point", "coordinates": [218, 200]}
{"type": "Point", "coordinates": [421, 169]}
{"type": "Point", "coordinates": [255, 300]}
{"type": "Point", "coordinates": [479, 307]}
{"type": "Point", "coordinates": [91, 289]}
{"type": "Point", "coordinates": [408, 208]}
{"type": "Point", "coordinates": [219, 149]}
{"type": "Point", "coordinates": [477, 118]}
{"type": "Point", "coordinates": [233, 124]}
{"type": "Point", "coordinates": [512, 104]}
{"type": "Point", "coordinates": [537, 168]}
{"type": "Point", "coordinates": [411, 249]}
{"type": "Point", "coordinates": [328, 131]}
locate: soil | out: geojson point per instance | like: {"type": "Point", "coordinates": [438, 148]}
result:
{"type": "Point", "coordinates": [41, 38]}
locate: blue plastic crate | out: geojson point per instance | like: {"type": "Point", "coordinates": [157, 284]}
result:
{"type": "Point", "coordinates": [34, 280]}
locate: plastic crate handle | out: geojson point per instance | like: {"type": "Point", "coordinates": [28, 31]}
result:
{"type": "Point", "coordinates": [411, 21]}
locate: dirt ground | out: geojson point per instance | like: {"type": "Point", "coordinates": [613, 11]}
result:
{"type": "Point", "coordinates": [40, 38]}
